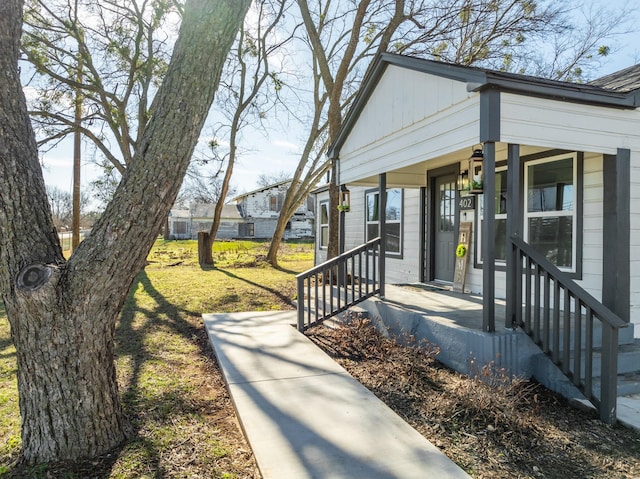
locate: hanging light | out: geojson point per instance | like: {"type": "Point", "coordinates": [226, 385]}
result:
{"type": "Point", "coordinates": [476, 172]}
{"type": "Point", "coordinates": [345, 199]}
{"type": "Point", "coordinates": [463, 177]}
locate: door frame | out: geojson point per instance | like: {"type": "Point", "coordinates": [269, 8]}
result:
{"type": "Point", "coordinates": [428, 220]}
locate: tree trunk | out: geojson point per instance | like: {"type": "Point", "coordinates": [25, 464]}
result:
{"type": "Point", "coordinates": [205, 249]}
{"type": "Point", "coordinates": [63, 313]}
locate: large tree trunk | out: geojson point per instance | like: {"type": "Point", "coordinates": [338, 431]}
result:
{"type": "Point", "coordinates": [63, 314]}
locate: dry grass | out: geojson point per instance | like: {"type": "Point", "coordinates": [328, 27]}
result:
{"type": "Point", "coordinates": [492, 427]}
{"type": "Point", "coordinates": [173, 393]}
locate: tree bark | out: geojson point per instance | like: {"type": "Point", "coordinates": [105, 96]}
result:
{"type": "Point", "coordinates": [63, 313]}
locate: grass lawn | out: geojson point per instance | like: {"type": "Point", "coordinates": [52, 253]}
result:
{"type": "Point", "coordinates": [177, 402]}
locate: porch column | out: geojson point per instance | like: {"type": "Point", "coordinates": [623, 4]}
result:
{"type": "Point", "coordinates": [382, 221]}
{"type": "Point", "coordinates": [616, 233]}
{"type": "Point", "coordinates": [489, 239]}
{"type": "Point", "coordinates": [514, 228]}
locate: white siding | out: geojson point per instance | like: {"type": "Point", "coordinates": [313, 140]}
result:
{"type": "Point", "coordinates": [571, 126]}
{"type": "Point", "coordinates": [409, 118]}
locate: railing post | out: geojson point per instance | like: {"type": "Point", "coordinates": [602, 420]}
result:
{"type": "Point", "coordinates": [488, 240]}
{"type": "Point", "coordinates": [300, 304]}
{"type": "Point", "coordinates": [514, 227]}
{"type": "Point", "coordinates": [609, 383]}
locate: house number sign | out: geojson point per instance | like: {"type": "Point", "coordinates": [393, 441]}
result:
{"type": "Point", "coordinates": [467, 202]}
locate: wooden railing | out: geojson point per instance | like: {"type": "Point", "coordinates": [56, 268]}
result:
{"type": "Point", "coordinates": [564, 320]}
{"type": "Point", "coordinates": [339, 283]}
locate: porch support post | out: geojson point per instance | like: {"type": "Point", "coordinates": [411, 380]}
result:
{"type": "Point", "coordinates": [341, 239]}
{"type": "Point", "coordinates": [616, 246]}
{"type": "Point", "coordinates": [489, 239]}
{"type": "Point", "coordinates": [382, 221]}
{"type": "Point", "coordinates": [514, 228]}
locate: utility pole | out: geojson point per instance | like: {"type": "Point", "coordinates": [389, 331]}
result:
{"type": "Point", "coordinates": [77, 144]}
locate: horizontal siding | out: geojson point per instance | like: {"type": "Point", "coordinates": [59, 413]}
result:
{"type": "Point", "coordinates": [572, 126]}
{"type": "Point", "coordinates": [398, 127]}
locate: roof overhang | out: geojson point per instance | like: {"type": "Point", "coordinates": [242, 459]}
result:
{"type": "Point", "coordinates": [481, 80]}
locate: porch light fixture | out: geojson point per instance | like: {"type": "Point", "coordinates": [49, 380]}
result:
{"type": "Point", "coordinates": [476, 173]}
{"type": "Point", "coordinates": [345, 199]}
{"type": "Point", "coordinates": [463, 180]}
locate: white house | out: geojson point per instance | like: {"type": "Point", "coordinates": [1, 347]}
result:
{"type": "Point", "coordinates": [252, 215]}
{"type": "Point", "coordinates": [558, 179]}
{"type": "Point", "coordinates": [261, 208]}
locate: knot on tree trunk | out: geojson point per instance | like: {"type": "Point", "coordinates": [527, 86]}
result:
{"type": "Point", "coordinates": [33, 277]}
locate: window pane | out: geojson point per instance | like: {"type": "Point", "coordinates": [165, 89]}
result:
{"type": "Point", "coordinates": [372, 231]}
{"type": "Point", "coordinates": [501, 239]}
{"type": "Point", "coordinates": [553, 236]}
{"type": "Point", "coordinates": [394, 205]}
{"type": "Point", "coordinates": [324, 213]}
{"type": "Point", "coordinates": [501, 192]}
{"type": "Point", "coordinates": [324, 236]}
{"type": "Point", "coordinates": [393, 238]}
{"type": "Point", "coordinates": [550, 186]}
{"type": "Point", "coordinates": [372, 207]}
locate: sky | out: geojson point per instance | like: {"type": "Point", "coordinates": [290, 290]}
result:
{"type": "Point", "coordinates": [280, 150]}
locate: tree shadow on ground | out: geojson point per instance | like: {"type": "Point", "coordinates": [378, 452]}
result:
{"type": "Point", "coordinates": [284, 298]}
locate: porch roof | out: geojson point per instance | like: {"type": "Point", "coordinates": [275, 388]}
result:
{"type": "Point", "coordinates": [620, 90]}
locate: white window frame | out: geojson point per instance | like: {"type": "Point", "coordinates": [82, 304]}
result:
{"type": "Point", "coordinates": [399, 222]}
{"type": "Point", "coordinates": [323, 226]}
{"type": "Point", "coordinates": [526, 215]}
{"type": "Point", "coordinates": [555, 213]}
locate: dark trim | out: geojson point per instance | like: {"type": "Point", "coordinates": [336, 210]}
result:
{"type": "Point", "coordinates": [382, 213]}
{"type": "Point", "coordinates": [430, 219]}
{"type": "Point", "coordinates": [489, 241]}
{"type": "Point", "coordinates": [515, 201]}
{"type": "Point", "coordinates": [423, 234]}
{"type": "Point", "coordinates": [490, 115]}
{"type": "Point", "coordinates": [616, 224]}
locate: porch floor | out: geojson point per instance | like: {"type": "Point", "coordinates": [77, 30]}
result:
{"type": "Point", "coordinates": [443, 305]}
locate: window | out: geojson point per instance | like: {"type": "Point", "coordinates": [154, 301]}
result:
{"type": "Point", "coordinates": [550, 211]}
{"type": "Point", "coordinates": [273, 203]}
{"type": "Point", "coordinates": [500, 205]}
{"type": "Point", "coordinates": [247, 229]}
{"type": "Point", "coordinates": [324, 224]}
{"type": "Point", "coordinates": [393, 219]}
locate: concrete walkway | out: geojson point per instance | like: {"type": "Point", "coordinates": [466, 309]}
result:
{"type": "Point", "coordinates": [304, 415]}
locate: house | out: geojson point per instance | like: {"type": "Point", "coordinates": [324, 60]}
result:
{"type": "Point", "coordinates": [253, 215]}
{"type": "Point", "coordinates": [260, 208]}
{"type": "Point", "coordinates": [520, 189]}
{"type": "Point", "coordinates": [185, 223]}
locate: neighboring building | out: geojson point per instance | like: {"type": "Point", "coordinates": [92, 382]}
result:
{"type": "Point", "coordinates": [254, 215]}
{"type": "Point", "coordinates": [186, 223]}
{"type": "Point", "coordinates": [261, 208]}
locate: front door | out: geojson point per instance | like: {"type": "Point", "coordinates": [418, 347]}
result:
{"type": "Point", "coordinates": [445, 227]}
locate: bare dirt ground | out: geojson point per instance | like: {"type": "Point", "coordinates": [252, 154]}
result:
{"type": "Point", "coordinates": [492, 427]}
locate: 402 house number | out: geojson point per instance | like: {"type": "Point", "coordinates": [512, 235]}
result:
{"type": "Point", "coordinates": [467, 203]}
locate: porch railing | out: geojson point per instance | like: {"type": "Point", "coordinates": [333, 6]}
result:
{"type": "Point", "coordinates": [568, 324]}
{"type": "Point", "coordinates": [339, 283]}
